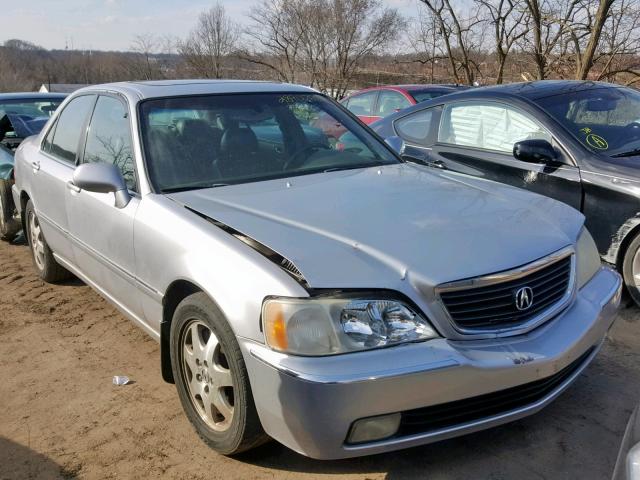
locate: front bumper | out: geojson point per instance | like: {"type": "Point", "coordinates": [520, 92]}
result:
{"type": "Point", "coordinates": [310, 403]}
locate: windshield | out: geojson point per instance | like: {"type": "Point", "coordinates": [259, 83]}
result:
{"type": "Point", "coordinates": [206, 141]}
{"type": "Point", "coordinates": [605, 120]}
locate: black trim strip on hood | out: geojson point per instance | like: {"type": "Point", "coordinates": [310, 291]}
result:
{"type": "Point", "coordinates": [283, 262]}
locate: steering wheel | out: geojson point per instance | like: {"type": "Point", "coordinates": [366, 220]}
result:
{"type": "Point", "coordinates": [296, 159]}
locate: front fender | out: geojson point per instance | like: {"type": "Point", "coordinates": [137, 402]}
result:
{"type": "Point", "coordinates": [172, 243]}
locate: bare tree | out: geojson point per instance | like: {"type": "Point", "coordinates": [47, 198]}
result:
{"type": "Point", "coordinates": [211, 42]}
{"type": "Point", "coordinates": [508, 19]}
{"type": "Point", "coordinates": [617, 56]}
{"type": "Point", "coordinates": [277, 34]}
{"type": "Point", "coordinates": [461, 36]}
{"type": "Point", "coordinates": [143, 64]}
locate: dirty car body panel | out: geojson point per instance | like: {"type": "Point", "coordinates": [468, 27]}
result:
{"type": "Point", "coordinates": [388, 230]}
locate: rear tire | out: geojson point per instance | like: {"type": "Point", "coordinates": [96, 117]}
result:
{"type": "Point", "coordinates": [631, 270]}
{"type": "Point", "coordinates": [45, 264]}
{"type": "Point", "coordinates": [9, 227]}
{"type": "Point", "coordinates": [212, 379]}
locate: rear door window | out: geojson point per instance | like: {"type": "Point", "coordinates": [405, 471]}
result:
{"type": "Point", "coordinates": [70, 128]}
{"type": "Point", "coordinates": [416, 126]}
{"type": "Point", "coordinates": [362, 104]}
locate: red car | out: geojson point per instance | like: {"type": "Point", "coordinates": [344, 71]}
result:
{"type": "Point", "coordinates": [374, 103]}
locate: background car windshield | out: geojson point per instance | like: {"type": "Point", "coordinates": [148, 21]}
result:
{"type": "Point", "coordinates": [199, 142]}
{"type": "Point", "coordinates": [424, 95]}
{"type": "Point", "coordinates": [30, 113]}
{"type": "Point", "coordinates": [605, 120]}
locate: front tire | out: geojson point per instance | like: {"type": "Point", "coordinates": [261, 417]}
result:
{"type": "Point", "coordinates": [45, 264]}
{"type": "Point", "coordinates": [631, 269]}
{"type": "Point", "coordinates": [211, 378]}
{"type": "Point", "coordinates": [9, 227]}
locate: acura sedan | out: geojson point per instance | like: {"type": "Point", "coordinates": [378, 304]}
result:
{"type": "Point", "coordinates": [342, 302]}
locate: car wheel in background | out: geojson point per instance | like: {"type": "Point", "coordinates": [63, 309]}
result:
{"type": "Point", "coordinates": [211, 377]}
{"type": "Point", "coordinates": [9, 227]}
{"type": "Point", "coordinates": [631, 269]}
{"type": "Point", "coordinates": [48, 269]}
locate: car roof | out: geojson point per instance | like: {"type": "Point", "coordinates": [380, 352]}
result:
{"type": "Point", "coordinates": [411, 88]}
{"type": "Point", "coordinates": [177, 88]}
{"type": "Point", "coordinates": [537, 89]}
{"type": "Point", "coordinates": [31, 96]}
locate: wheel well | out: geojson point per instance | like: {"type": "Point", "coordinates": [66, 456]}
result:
{"type": "Point", "coordinates": [622, 251]}
{"type": "Point", "coordinates": [177, 291]}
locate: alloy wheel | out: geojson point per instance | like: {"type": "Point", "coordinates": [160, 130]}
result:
{"type": "Point", "coordinates": [37, 240]}
{"type": "Point", "coordinates": [207, 375]}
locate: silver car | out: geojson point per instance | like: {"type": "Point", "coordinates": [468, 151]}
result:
{"type": "Point", "coordinates": [338, 300]}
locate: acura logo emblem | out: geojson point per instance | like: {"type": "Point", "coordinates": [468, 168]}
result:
{"type": "Point", "coordinates": [524, 298]}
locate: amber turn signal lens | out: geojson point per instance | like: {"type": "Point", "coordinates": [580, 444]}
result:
{"type": "Point", "coordinates": [275, 327]}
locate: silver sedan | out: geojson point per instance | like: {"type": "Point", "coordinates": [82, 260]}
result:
{"type": "Point", "coordinates": [338, 300]}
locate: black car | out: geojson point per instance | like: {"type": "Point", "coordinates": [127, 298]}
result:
{"type": "Point", "coordinates": [576, 141]}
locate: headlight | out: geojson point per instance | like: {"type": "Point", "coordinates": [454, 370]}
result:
{"type": "Point", "coordinates": [327, 326]}
{"type": "Point", "coordinates": [588, 258]}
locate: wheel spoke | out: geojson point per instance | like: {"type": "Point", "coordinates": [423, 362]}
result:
{"type": "Point", "coordinates": [221, 377]}
{"type": "Point", "coordinates": [210, 348]}
{"type": "Point", "coordinates": [221, 404]}
{"type": "Point", "coordinates": [196, 341]}
{"type": "Point", "coordinates": [189, 359]}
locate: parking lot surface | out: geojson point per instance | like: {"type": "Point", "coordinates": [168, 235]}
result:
{"type": "Point", "coordinates": [61, 416]}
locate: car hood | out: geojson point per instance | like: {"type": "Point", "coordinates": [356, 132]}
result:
{"type": "Point", "coordinates": [375, 227]}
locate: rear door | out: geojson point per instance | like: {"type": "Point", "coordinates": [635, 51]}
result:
{"type": "Point", "coordinates": [102, 233]}
{"type": "Point", "coordinates": [477, 138]}
{"type": "Point", "coordinates": [363, 105]}
{"type": "Point", "coordinates": [53, 169]}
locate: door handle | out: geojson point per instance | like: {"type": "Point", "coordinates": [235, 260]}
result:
{"type": "Point", "coordinates": [73, 187]}
{"type": "Point", "coordinates": [438, 164]}
{"type": "Point", "coordinates": [35, 166]}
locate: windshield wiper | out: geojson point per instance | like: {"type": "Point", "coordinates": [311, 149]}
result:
{"type": "Point", "coordinates": [630, 153]}
{"type": "Point", "coordinates": [186, 188]}
{"type": "Point", "coordinates": [352, 167]}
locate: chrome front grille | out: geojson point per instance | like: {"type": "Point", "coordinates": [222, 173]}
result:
{"type": "Point", "coordinates": [491, 303]}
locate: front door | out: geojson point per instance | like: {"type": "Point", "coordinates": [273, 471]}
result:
{"type": "Point", "coordinates": [53, 169]}
{"type": "Point", "coordinates": [103, 233]}
{"type": "Point", "coordinates": [477, 138]}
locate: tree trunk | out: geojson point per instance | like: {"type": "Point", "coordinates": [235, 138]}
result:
{"type": "Point", "coordinates": [586, 62]}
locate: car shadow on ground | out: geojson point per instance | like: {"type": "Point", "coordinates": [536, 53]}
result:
{"type": "Point", "coordinates": [18, 461]}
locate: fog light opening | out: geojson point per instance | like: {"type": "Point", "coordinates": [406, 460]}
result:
{"type": "Point", "coordinates": [374, 428]}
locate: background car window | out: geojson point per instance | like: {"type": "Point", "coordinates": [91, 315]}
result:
{"type": "Point", "coordinates": [362, 104]}
{"type": "Point", "coordinates": [109, 138]}
{"type": "Point", "coordinates": [416, 126]}
{"type": "Point", "coordinates": [488, 126]}
{"type": "Point", "coordinates": [70, 127]}
{"type": "Point", "coordinates": [390, 102]}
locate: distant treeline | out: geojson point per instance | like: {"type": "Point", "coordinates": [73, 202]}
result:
{"type": "Point", "coordinates": [339, 45]}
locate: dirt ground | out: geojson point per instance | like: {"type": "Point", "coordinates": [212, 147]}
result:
{"type": "Point", "coordinates": [61, 417]}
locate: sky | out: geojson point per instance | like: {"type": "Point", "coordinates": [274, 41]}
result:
{"type": "Point", "coordinates": [113, 24]}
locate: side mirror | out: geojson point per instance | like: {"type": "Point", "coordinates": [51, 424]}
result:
{"type": "Point", "coordinates": [534, 151]}
{"type": "Point", "coordinates": [396, 144]}
{"type": "Point", "coordinates": [102, 178]}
